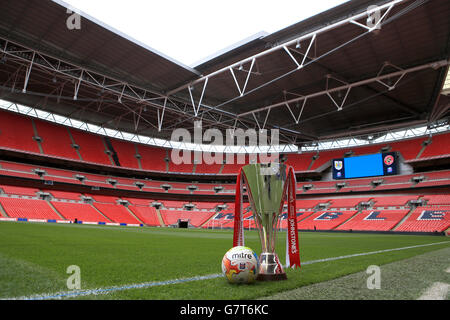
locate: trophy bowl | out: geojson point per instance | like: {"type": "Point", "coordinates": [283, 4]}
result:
{"type": "Point", "coordinates": [265, 187]}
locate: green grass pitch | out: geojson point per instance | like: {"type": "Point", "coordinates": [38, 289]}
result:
{"type": "Point", "coordinates": [34, 259]}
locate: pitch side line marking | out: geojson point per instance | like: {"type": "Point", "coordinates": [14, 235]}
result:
{"type": "Point", "coordinates": [80, 293]}
{"type": "Point", "coordinates": [373, 252]}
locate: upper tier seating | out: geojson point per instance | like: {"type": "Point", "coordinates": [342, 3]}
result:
{"type": "Point", "coordinates": [55, 140]}
{"type": "Point", "coordinates": [324, 157]}
{"type": "Point", "coordinates": [16, 132]}
{"type": "Point", "coordinates": [409, 149]}
{"type": "Point", "coordinates": [91, 147]}
{"type": "Point", "coordinates": [152, 158]}
{"type": "Point", "coordinates": [300, 162]}
{"type": "Point", "coordinates": [178, 163]}
{"type": "Point", "coordinates": [126, 152]}
{"type": "Point", "coordinates": [213, 168]}
{"type": "Point", "coordinates": [234, 163]}
{"type": "Point", "coordinates": [439, 147]}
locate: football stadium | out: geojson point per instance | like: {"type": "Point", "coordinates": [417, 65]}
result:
{"type": "Point", "coordinates": [120, 168]}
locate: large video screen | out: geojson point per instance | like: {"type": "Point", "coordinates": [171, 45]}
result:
{"type": "Point", "coordinates": [373, 165]}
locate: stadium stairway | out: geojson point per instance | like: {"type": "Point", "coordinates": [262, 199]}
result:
{"type": "Point", "coordinates": [349, 219]}
{"type": "Point", "coordinates": [207, 220]}
{"type": "Point", "coordinates": [424, 146]}
{"type": "Point", "coordinates": [101, 213]}
{"type": "Point", "coordinates": [36, 134]}
{"type": "Point", "coordinates": [3, 212]}
{"type": "Point", "coordinates": [404, 219]}
{"type": "Point", "coordinates": [160, 219]}
{"type": "Point", "coordinates": [74, 144]}
{"type": "Point", "coordinates": [133, 215]}
{"type": "Point", "coordinates": [55, 210]}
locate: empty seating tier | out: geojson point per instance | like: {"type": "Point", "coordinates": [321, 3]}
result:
{"type": "Point", "coordinates": [147, 215]}
{"type": "Point", "coordinates": [116, 213]}
{"type": "Point", "coordinates": [16, 132]}
{"type": "Point", "coordinates": [427, 219]}
{"type": "Point", "coordinates": [55, 140]}
{"type": "Point", "coordinates": [80, 211]}
{"type": "Point", "coordinates": [28, 208]}
{"type": "Point", "coordinates": [373, 220]}
{"type": "Point", "coordinates": [325, 220]}
{"type": "Point", "coordinates": [195, 218]}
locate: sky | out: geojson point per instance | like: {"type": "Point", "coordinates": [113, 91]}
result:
{"type": "Point", "coordinates": [190, 31]}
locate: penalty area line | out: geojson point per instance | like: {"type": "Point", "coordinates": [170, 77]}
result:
{"type": "Point", "coordinates": [100, 291]}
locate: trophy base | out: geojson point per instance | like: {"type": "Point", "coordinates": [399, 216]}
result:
{"type": "Point", "coordinates": [271, 277]}
{"type": "Point", "coordinates": [270, 268]}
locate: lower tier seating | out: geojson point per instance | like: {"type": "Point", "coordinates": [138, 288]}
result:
{"type": "Point", "coordinates": [427, 219]}
{"type": "Point", "coordinates": [80, 211]}
{"type": "Point", "coordinates": [325, 220]}
{"type": "Point", "coordinates": [388, 213]}
{"type": "Point", "coordinates": [116, 213]}
{"type": "Point", "coordinates": [373, 220]}
{"type": "Point", "coordinates": [196, 218]}
{"type": "Point", "coordinates": [28, 208]}
{"type": "Point", "coordinates": [147, 215]}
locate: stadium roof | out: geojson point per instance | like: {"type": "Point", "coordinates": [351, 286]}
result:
{"type": "Point", "coordinates": [336, 74]}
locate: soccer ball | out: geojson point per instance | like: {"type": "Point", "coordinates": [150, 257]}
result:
{"type": "Point", "coordinates": [240, 265]}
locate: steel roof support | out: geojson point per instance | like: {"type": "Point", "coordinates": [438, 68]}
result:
{"type": "Point", "coordinates": [373, 10]}
{"type": "Point", "coordinates": [28, 72]}
{"type": "Point", "coordinates": [346, 87]}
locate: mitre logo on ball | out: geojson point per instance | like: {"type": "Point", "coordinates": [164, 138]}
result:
{"type": "Point", "coordinates": [240, 265]}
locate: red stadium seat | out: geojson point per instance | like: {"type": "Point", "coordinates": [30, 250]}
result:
{"type": "Point", "coordinates": [373, 220]}
{"type": "Point", "coordinates": [28, 208]}
{"type": "Point", "coordinates": [427, 219]}
{"type": "Point", "coordinates": [16, 132]}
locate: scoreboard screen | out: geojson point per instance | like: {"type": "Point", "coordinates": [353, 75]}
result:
{"type": "Point", "coordinates": [373, 165]}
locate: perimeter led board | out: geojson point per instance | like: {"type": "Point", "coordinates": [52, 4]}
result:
{"type": "Point", "coordinates": [373, 165]}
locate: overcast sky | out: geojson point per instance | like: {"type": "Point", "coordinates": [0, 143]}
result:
{"type": "Point", "coordinates": [189, 31]}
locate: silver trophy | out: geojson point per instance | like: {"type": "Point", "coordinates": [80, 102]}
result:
{"type": "Point", "coordinates": [265, 186]}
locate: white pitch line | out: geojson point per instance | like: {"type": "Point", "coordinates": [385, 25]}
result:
{"type": "Point", "coordinates": [80, 293]}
